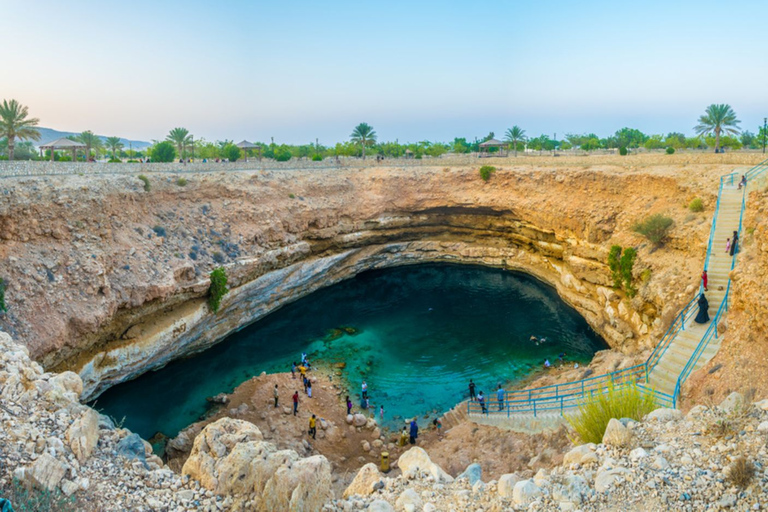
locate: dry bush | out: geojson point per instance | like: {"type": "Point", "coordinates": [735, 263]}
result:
{"type": "Point", "coordinates": [741, 472]}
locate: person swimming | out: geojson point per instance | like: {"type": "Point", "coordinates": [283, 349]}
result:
{"type": "Point", "coordinates": [534, 339]}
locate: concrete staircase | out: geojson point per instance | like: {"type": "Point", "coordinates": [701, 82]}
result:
{"type": "Point", "coordinates": [664, 376]}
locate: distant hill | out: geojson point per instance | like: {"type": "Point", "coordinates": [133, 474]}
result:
{"type": "Point", "coordinates": [49, 134]}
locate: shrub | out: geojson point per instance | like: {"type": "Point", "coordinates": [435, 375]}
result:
{"type": "Point", "coordinates": [283, 155]}
{"type": "Point", "coordinates": [613, 263]}
{"type": "Point", "coordinates": [292, 196]}
{"type": "Point", "coordinates": [317, 158]}
{"type": "Point", "coordinates": [163, 152]}
{"type": "Point", "coordinates": [25, 499]}
{"type": "Point", "coordinates": [645, 276]}
{"type": "Point", "coordinates": [697, 205]}
{"type": "Point", "coordinates": [218, 288]}
{"type": "Point", "coordinates": [3, 307]}
{"type": "Point", "coordinates": [741, 472]}
{"type": "Point", "coordinates": [623, 151]}
{"type": "Point", "coordinates": [614, 402]}
{"type": "Point", "coordinates": [670, 150]}
{"type": "Point", "coordinates": [486, 171]}
{"type": "Point", "coordinates": [182, 182]}
{"type": "Point", "coordinates": [655, 228]}
{"type": "Point", "coordinates": [114, 161]}
{"type": "Point", "coordinates": [147, 186]}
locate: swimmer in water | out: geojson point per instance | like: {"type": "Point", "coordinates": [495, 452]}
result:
{"type": "Point", "coordinates": [535, 339]}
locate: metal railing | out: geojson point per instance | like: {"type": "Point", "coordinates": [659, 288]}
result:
{"type": "Point", "coordinates": [561, 397]}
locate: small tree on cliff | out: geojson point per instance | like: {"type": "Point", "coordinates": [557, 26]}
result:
{"type": "Point", "coordinates": [218, 288]}
{"type": "Point", "coordinates": [621, 264]}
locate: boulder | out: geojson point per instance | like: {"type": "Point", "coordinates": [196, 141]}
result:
{"type": "Point", "coordinates": [359, 420]}
{"type": "Point", "coordinates": [304, 486]}
{"type": "Point", "coordinates": [733, 402]}
{"type": "Point", "coordinates": [473, 473]}
{"type": "Point", "coordinates": [696, 410]}
{"type": "Point", "coordinates": [350, 419]}
{"type": "Point", "coordinates": [366, 446]}
{"type": "Point", "coordinates": [664, 414]}
{"type": "Point", "coordinates": [637, 454]}
{"type": "Point", "coordinates": [83, 434]}
{"type": "Point", "coordinates": [380, 506]}
{"type": "Point", "coordinates": [44, 474]}
{"type": "Point", "coordinates": [617, 434]}
{"type": "Point", "coordinates": [607, 477]}
{"type": "Point", "coordinates": [106, 423]}
{"type": "Point", "coordinates": [574, 490]}
{"type": "Point", "coordinates": [409, 501]}
{"type": "Point", "coordinates": [366, 478]}
{"type": "Point", "coordinates": [506, 485]}
{"type": "Point", "coordinates": [525, 492]}
{"type": "Point", "coordinates": [416, 460]}
{"type": "Point", "coordinates": [541, 478]}
{"type": "Point", "coordinates": [132, 447]}
{"type": "Point", "coordinates": [763, 426]}
{"type": "Point", "coordinates": [660, 463]}
{"type": "Point", "coordinates": [583, 454]}
{"type": "Point", "coordinates": [68, 382]}
{"type": "Point", "coordinates": [762, 404]}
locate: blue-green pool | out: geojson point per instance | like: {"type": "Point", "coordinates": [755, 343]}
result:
{"type": "Point", "coordinates": [423, 332]}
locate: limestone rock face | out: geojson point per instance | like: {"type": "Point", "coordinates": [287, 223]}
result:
{"type": "Point", "coordinates": [416, 459]}
{"type": "Point", "coordinates": [230, 458]}
{"type": "Point", "coordinates": [83, 434]}
{"type": "Point", "coordinates": [364, 481]}
{"type": "Point", "coordinates": [583, 454]}
{"type": "Point", "coordinates": [617, 434]}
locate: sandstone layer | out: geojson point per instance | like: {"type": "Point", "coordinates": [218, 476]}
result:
{"type": "Point", "coordinates": [109, 280]}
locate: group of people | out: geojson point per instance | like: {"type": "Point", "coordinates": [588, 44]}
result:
{"type": "Point", "coordinates": [479, 397]}
{"type": "Point", "coordinates": [731, 248]}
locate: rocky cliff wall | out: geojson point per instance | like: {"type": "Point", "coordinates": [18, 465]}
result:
{"type": "Point", "coordinates": [109, 280]}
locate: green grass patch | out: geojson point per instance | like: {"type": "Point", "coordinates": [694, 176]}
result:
{"type": "Point", "coordinates": [615, 402]}
{"type": "Point", "coordinates": [182, 182]}
{"type": "Point", "coordinates": [147, 186]}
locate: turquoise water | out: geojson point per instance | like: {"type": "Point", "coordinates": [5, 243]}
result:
{"type": "Point", "coordinates": [423, 332]}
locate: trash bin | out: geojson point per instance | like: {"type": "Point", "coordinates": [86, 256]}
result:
{"type": "Point", "coordinates": [385, 462]}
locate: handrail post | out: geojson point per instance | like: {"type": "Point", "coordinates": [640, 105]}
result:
{"type": "Point", "coordinates": [534, 408]}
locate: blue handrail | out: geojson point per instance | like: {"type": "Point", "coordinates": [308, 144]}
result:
{"type": "Point", "coordinates": [572, 394]}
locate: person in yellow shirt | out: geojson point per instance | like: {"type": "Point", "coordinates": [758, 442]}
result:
{"type": "Point", "coordinates": [313, 426]}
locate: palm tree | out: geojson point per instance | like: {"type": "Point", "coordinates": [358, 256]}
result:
{"type": "Point", "coordinates": [114, 144]}
{"type": "Point", "coordinates": [717, 119]}
{"type": "Point", "coordinates": [14, 124]}
{"type": "Point", "coordinates": [364, 135]}
{"type": "Point", "coordinates": [181, 137]}
{"type": "Point", "coordinates": [515, 135]}
{"type": "Point", "coordinates": [90, 140]}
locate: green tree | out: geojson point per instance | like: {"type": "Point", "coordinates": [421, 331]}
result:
{"type": "Point", "coordinates": [231, 152]}
{"type": "Point", "coordinates": [515, 135]}
{"type": "Point", "coordinates": [14, 124]}
{"type": "Point", "coordinates": [718, 119]}
{"type": "Point", "coordinates": [675, 140]}
{"type": "Point", "coordinates": [91, 141]}
{"type": "Point", "coordinates": [630, 138]}
{"type": "Point", "coordinates": [181, 138]}
{"type": "Point", "coordinates": [748, 139]}
{"type": "Point", "coordinates": [460, 146]}
{"type": "Point", "coordinates": [163, 152]}
{"type": "Point", "coordinates": [114, 145]}
{"type": "Point", "coordinates": [363, 135]}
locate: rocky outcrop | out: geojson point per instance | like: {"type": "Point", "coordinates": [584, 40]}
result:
{"type": "Point", "coordinates": [122, 289]}
{"type": "Point", "coordinates": [230, 458]}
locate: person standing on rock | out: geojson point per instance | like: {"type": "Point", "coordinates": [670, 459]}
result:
{"type": "Point", "coordinates": [704, 280]}
{"type": "Point", "coordinates": [472, 395]}
{"type": "Point", "coordinates": [500, 397]}
{"type": "Point", "coordinates": [306, 382]}
{"type": "Point", "coordinates": [295, 403]}
{"type": "Point", "coordinates": [414, 432]}
{"type": "Point", "coordinates": [293, 370]}
{"type": "Point", "coordinates": [349, 405]}
{"type": "Point", "coordinates": [276, 396]}
{"type": "Point", "coordinates": [364, 388]}
{"type": "Point", "coordinates": [313, 426]}
{"type": "Point", "coordinates": [481, 401]}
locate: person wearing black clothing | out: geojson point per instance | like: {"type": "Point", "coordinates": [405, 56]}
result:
{"type": "Point", "coordinates": [472, 395]}
{"type": "Point", "coordinates": [703, 316]}
{"type": "Point", "coordinates": [414, 432]}
{"type": "Point", "coordinates": [734, 242]}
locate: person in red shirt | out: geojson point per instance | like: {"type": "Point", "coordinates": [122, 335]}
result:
{"type": "Point", "coordinates": [295, 403]}
{"type": "Point", "coordinates": [704, 280]}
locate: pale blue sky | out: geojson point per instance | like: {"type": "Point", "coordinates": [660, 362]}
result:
{"type": "Point", "coordinates": [415, 70]}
